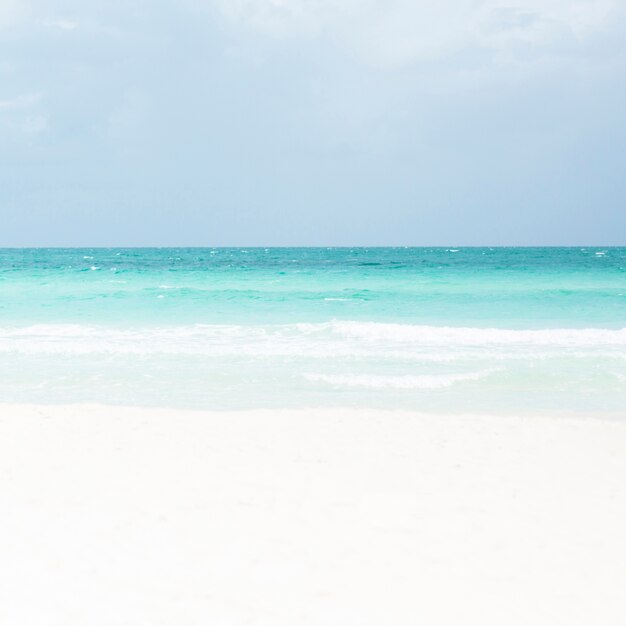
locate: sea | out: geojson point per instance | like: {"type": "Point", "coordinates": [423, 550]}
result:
{"type": "Point", "coordinates": [524, 331]}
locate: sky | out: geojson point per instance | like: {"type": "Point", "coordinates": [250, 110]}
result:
{"type": "Point", "coordinates": [312, 122]}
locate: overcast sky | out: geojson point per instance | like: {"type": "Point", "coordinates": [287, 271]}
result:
{"type": "Point", "coordinates": [304, 122]}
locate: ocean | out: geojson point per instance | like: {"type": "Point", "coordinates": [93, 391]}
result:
{"type": "Point", "coordinates": [463, 330]}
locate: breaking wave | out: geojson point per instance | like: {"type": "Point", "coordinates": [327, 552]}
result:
{"type": "Point", "coordinates": [336, 338]}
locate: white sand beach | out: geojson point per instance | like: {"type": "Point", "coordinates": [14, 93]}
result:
{"type": "Point", "coordinates": [137, 517]}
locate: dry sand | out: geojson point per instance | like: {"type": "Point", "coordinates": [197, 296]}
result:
{"type": "Point", "coordinates": [146, 517]}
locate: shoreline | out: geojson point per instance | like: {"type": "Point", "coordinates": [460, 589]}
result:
{"type": "Point", "coordinates": [98, 408]}
{"type": "Point", "coordinates": [118, 515]}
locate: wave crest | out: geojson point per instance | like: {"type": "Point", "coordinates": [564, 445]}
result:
{"type": "Point", "coordinates": [336, 338]}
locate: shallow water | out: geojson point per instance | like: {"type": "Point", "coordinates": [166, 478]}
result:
{"type": "Point", "coordinates": [436, 329]}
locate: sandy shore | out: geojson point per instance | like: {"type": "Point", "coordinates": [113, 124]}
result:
{"type": "Point", "coordinates": [134, 517]}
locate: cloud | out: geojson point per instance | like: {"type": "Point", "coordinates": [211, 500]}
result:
{"type": "Point", "coordinates": [13, 12]}
{"type": "Point", "coordinates": [287, 18]}
{"type": "Point", "coordinates": [61, 23]}
{"type": "Point", "coordinates": [24, 101]}
{"type": "Point", "coordinates": [392, 33]}
{"type": "Point", "coordinates": [19, 114]}
{"type": "Point", "coordinates": [32, 124]}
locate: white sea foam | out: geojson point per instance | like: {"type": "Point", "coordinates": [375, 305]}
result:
{"type": "Point", "coordinates": [398, 382]}
{"type": "Point", "coordinates": [207, 363]}
{"type": "Point", "coordinates": [447, 335]}
{"type": "Point", "coordinates": [338, 338]}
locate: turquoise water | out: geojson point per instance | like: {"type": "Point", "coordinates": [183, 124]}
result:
{"type": "Point", "coordinates": [435, 329]}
